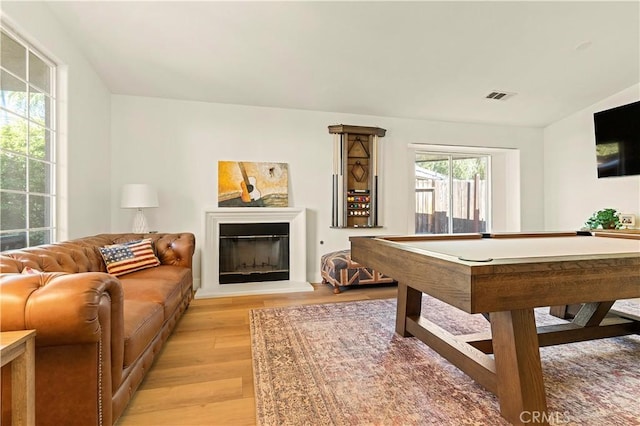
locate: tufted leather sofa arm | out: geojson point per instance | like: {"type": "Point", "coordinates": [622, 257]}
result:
{"type": "Point", "coordinates": [176, 249]}
{"type": "Point", "coordinates": [62, 307]}
{"type": "Point", "coordinates": [75, 316]}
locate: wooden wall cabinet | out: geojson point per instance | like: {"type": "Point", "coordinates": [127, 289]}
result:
{"type": "Point", "coordinates": [355, 176]}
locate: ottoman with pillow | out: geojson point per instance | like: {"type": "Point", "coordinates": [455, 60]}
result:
{"type": "Point", "coordinates": [337, 269]}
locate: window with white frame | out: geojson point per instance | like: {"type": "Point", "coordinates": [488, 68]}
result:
{"type": "Point", "coordinates": [451, 192]}
{"type": "Point", "coordinates": [27, 144]}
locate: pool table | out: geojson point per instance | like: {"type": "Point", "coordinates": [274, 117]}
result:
{"type": "Point", "coordinates": [504, 277]}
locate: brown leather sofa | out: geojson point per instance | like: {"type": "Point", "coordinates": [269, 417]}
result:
{"type": "Point", "coordinates": [97, 334]}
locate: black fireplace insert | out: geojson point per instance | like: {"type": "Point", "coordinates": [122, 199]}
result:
{"type": "Point", "coordinates": [253, 252]}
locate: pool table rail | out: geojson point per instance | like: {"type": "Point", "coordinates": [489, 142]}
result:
{"type": "Point", "coordinates": [503, 284]}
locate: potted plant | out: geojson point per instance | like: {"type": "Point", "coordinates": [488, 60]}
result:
{"type": "Point", "coordinates": [605, 219]}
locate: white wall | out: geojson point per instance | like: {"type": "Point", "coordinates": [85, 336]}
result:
{"type": "Point", "coordinates": [176, 145]}
{"type": "Point", "coordinates": [572, 189]}
{"type": "Point", "coordinates": [84, 122]}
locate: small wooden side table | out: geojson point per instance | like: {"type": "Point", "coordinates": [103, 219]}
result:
{"type": "Point", "coordinates": [18, 348]}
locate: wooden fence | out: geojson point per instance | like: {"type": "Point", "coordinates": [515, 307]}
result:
{"type": "Point", "coordinates": [469, 199]}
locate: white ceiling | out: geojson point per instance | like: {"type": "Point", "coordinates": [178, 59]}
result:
{"type": "Point", "coordinates": [425, 60]}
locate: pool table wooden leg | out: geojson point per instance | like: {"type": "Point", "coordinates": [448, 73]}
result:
{"type": "Point", "coordinates": [518, 367]}
{"type": "Point", "coordinates": [409, 304]}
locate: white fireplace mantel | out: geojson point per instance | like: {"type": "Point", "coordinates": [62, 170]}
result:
{"type": "Point", "coordinates": [296, 217]}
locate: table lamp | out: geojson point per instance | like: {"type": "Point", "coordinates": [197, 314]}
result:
{"type": "Point", "coordinates": [139, 196]}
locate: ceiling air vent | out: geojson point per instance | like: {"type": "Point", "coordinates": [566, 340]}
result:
{"type": "Point", "coordinates": [500, 96]}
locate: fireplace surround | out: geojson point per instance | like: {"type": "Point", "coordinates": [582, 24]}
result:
{"type": "Point", "coordinates": [229, 225]}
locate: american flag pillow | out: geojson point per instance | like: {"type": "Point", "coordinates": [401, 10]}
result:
{"type": "Point", "coordinates": [131, 256]}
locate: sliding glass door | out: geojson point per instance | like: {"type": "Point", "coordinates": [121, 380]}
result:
{"type": "Point", "coordinates": [451, 193]}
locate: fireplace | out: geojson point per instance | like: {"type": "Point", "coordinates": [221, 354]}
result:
{"type": "Point", "coordinates": [253, 251]}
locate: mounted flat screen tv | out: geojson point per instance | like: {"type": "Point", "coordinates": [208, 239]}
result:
{"type": "Point", "coordinates": [618, 140]}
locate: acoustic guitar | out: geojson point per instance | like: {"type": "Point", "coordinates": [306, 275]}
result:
{"type": "Point", "coordinates": [249, 190]}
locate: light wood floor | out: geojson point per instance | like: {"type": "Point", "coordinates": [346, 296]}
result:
{"type": "Point", "coordinates": [204, 374]}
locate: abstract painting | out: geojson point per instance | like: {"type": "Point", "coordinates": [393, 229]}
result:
{"type": "Point", "coordinates": [253, 184]}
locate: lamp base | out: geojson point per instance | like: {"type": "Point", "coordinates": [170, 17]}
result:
{"type": "Point", "coordinates": [140, 223]}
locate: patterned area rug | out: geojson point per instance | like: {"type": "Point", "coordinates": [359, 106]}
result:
{"type": "Point", "coordinates": [342, 364]}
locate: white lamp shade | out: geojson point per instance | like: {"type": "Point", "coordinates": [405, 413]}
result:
{"type": "Point", "coordinates": [138, 195]}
